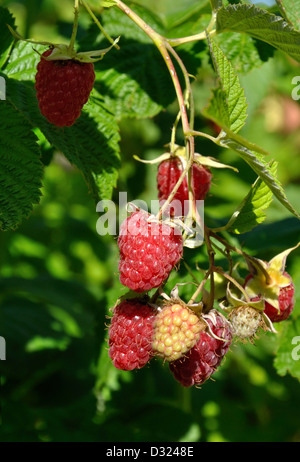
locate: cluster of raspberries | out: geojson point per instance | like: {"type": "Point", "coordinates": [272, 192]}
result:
{"type": "Point", "coordinates": [193, 346]}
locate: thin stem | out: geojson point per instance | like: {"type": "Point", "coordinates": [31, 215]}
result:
{"type": "Point", "coordinates": [191, 273]}
{"type": "Point", "coordinates": [192, 38]}
{"type": "Point", "coordinates": [97, 22]}
{"type": "Point", "coordinates": [205, 135]}
{"type": "Point", "coordinates": [209, 273]}
{"type": "Point", "coordinates": [157, 292]}
{"type": "Point", "coordinates": [75, 26]}
{"type": "Point", "coordinates": [174, 191]}
{"type": "Point", "coordinates": [226, 254]}
{"type": "Point", "coordinates": [231, 279]}
{"type": "Point", "coordinates": [211, 256]}
{"type": "Point", "coordinates": [200, 287]}
{"type": "Point", "coordinates": [243, 254]}
{"type": "Point", "coordinates": [189, 95]}
{"type": "Point", "coordinates": [163, 48]}
{"type": "Point", "coordinates": [212, 23]}
{"type": "Point", "coordinates": [173, 135]}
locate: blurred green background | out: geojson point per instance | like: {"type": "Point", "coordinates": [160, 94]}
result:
{"type": "Point", "coordinates": [59, 278]}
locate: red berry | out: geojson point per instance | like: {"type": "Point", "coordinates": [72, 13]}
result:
{"type": "Point", "coordinates": [148, 252]}
{"type": "Point", "coordinates": [285, 299]}
{"type": "Point", "coordinates": [203, 359]}
{"type": "Point", "coordinates": [63, 87]}
{"type": "Point", "coordinates": [130, 334]}
{"type": "Point", "coordinates": [168, 174]}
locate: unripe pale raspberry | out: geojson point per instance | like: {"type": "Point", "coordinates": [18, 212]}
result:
{"type": "Point", "coordinates": [176, 330]}
{"type": "Point", "coordinates": [63, 87]}
{"type": "Point", "coordinates": [204, 358]}
{"type": "Point", "coordinates": [286, 301]}
{"type": "Point", "coordinates": [168, 174]}
{"type": "Point", "coordinates": [148, 252]}
{"type": "Point", "coordinates": [245, 321]}
{"type": "Point", "coordinates": [130, 334]}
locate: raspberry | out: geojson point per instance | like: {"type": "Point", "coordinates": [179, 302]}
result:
{"type": "Point", "coordinates": [168, 174]}
{"type": "Point", "coordinates": [176, 330]}
{"type": "Point", "coordinates": [130, 334]}
{"type": "Point", "coordinates": [148, 252]}
{"type": "Point", "coordinates": [286, 301]}
{"type": "Point", "coordinates": [203, 359]}
{"type": "Point", "coordinates": [63, 87]}
{"type": "Point", "coordinates": [245, 321]}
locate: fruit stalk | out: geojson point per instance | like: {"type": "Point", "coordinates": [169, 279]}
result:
{"type": "Point", "coordinates": [163, 47]}
{"type": "Point", "coordinates": [97, 22]}
{"type": "Point", "coordinates": [209, 274]}
{"type": "Point", "coordinates": [75, 26]}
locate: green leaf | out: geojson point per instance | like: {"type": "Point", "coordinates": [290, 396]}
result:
{"type": "Point", "coordinates": [218, 109]}
{"type": "Point", "coordinates": [228, 105]}
{"type": "Point", "coordinates": [6, 37]}
{"type": "Point", "coordinates": [133, 80]}
{"type": "Point", "coordinates": [91, 143]}
{"type": "Point", "coordinates": [291, 11]}
{"type": "Point", "coordinates": [262, 169]}
{"type": "Point", "coordinates": [261, 25]}
{"type": "Point", "coordinates": [20, 168]}
{"type": "Point", "coordinates": [251, 211]}
{"type": "Point", "coordinates": [182, 13]}
{"type": "Point", "coordinates": [287, 359]}
{"type": "Point", "coordinates": [244, 52]}
{"type": "Point", "coordinates": [23, 61]}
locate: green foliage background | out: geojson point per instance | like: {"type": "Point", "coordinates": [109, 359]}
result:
{"type": "Point", "coordinates": [59, 278]}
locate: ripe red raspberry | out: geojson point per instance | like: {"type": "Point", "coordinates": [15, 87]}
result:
{"type": "Point", "coordinates": [285, 299]}
{"type": "Point", "coordinates": [204, 358]}
{"type": "Point", "coordinates": [176, 330]}
{"type": "Point", "coordinates": [168, 174]}
{"type": "Point", "coordinates": [148, 252]}
{"type": "Point", "coordinates": [130, 334]}
{"type": "Point", "coordinates": [63, 87]}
